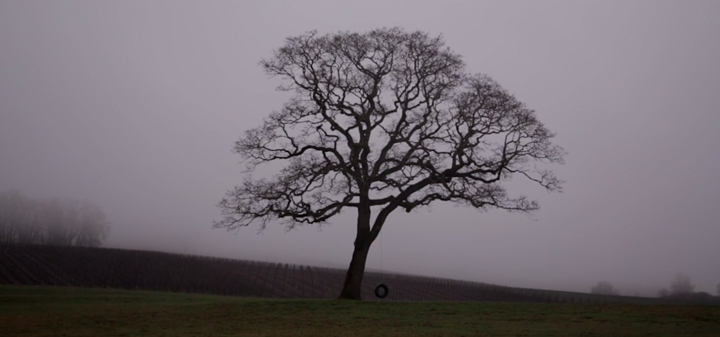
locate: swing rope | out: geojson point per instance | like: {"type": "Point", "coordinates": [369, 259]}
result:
{"type": "Point", "coordinates": [381, 257]}
{"type": "Point", "coordinates": [381, 291]}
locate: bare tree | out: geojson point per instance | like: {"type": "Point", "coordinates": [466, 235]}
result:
{"type": "Point", "coordinates": [60, 219]}
{"type": "Point", "coordinates": [604, 288]}
{"type": "Point", "coordinates": [381, 121]}
{"type": "Point", "coordinates": [30, 228]}
{"type": "Point", "coordinates": [55, 222]}
{"type": "Point", "coordinates": [718, 289]}
{"type": "Point", "coordinates": [10, 204]}
{"type": "Point", "coordinates": [92, 226]}
{"type": "Point", "coordinates": [682, 285]}
{"type": "Point", "coordinates": [75, 223]}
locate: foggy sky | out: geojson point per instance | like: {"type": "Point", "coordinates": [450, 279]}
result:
{"type": "Point", "coordinates": [135, 105]}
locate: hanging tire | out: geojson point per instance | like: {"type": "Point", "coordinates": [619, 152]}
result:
{"type": "Point", "coordinates": [381, 291]}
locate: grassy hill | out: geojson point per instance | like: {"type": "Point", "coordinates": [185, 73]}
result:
{"type": "Point", "coordinates": [146, 270]}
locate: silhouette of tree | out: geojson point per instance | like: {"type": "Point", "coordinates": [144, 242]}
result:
{"type": "Point", "coordinates": [604, 288]}
{"type": "Point", "coordinates": [381, 121]}
{"type": "Point", "coordinates": [682, 285]}
{"type": "Point", "coordinates": [54, 222]}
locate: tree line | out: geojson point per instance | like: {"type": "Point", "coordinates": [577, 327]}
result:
{"type": "Point", "coordinates": [57, 222]}
{"type": "Point", "coordinates": [681, 287]}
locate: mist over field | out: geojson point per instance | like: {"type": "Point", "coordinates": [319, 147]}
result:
{"type": "Point", "coordinates": [136, 105]}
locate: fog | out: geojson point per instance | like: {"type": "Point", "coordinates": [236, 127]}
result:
{"type": "Point", "coordinates": [135, 105]}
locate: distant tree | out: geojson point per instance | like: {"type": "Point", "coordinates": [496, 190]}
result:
{"type": "Point", "coordinates": [92, 226]}
{"type": "Point", "coordinates": [663, 292]}
{"type": "Point", "coordinates": [604, 288]}
{"type": "Point", "coordinates": [682, 285]}
{"type": "Point", "coordinates": [60, 222]}
{"type": "Point", "coordinates": [381, 121]}
{"type": "Point", "coordinates": [718, 289]}
{"type": "Point", "coordinates": [10, 202]}
{"type": "Point", "coordinates": [30, 229]}
{"type": "Point", "coordinates": [53, 222]}
{"type": "Point", "coordinates": [74, 223]}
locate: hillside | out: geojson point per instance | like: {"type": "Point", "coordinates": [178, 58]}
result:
{"type": "Point", "coordinates": [147, 270]}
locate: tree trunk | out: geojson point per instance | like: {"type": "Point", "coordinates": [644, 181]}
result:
{"type": "Point", "coordinates": [353, 279]}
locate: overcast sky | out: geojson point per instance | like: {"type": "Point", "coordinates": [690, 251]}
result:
{"type": "Point", "coordinates": [135, 105]}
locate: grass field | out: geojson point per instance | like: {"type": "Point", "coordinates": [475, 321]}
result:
{"type": "Point", "coordinates": [60, 311]}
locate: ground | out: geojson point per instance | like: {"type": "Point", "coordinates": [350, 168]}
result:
{"type": "Point", "coordinates": [63, 311]}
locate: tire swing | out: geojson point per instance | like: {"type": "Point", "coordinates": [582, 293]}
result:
{"type": "Point", "coordinates": [381, 290]}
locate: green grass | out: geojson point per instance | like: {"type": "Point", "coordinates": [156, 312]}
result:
{"type": "Point", "coordinates": [54, 311]}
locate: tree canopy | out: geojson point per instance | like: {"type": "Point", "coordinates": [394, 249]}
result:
{"type": "Point", "coordinates": [604, 288]}
{"type": "Point", "coordinates": [392, 113]}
